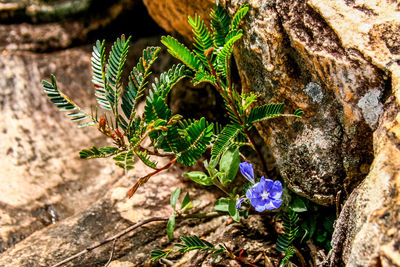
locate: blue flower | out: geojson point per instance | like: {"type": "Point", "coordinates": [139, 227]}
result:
{"type": "Point", "coordinates": [265, 195]}
{"type": "Point", "coordinates": [239, 202]}
{"type": "Point", "coordinates": [247, 170]}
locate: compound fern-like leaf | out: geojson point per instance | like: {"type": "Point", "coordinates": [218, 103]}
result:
{"type": "Point", "coordinates": [239, 15]}
{"type": "Point", "coordinates": [220, 24]}
{"type": "Point", "coordinates": [94, 152]}
{"type": "Point", "coordinates": [181, 52]}
{"type": "Point", "coordinates": [198, 135]}
{"type": "Point", "coordinates": [145, 158]}
{"type": "Point", "coordinates": [99, 79]}
{"type": "Point", "coordinates": [168, 79]}
{"type": "Point", "coordinates": [200, 77]}
{"type": "Point", "coordinates": [264, 112]}
{"type": "Point", "coordinates": [124, 160]}
{"type": "Point", "coordinates": [224, 55]}
{"type": "Point", "coordinates": [298, 113]}
{"type": "Point", "coordinates": [63, 102]}
{"type": "Point", "coordinates": [290, 228]}
{"type": "Point", "coordinates": [225, 139]}
{"type": "Point", "coordinates": [116, 60]}
{"type": "Point", "coordinates": [137, 81]}
{"type": "Point", "coordinates": [155, 109]}
{"type": "Point", "coordinates": [202, 37]}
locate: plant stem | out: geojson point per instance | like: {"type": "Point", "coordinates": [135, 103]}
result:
{"type": "Point", "coordinates": [127, 230]}
{"type": "Point", "coordinates": [233, 107]}
{"type": "Point", "coordinates": [220, 186]}
{"type": "Point", "coordinates": [255, 147]}
{"type": "Point", "coordinates": [145, 178]}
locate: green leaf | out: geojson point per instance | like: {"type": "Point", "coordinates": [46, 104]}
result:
{"type": "Point", "coordinates": [239, 15]}
{"type": "Point", "coordinates": [289, 219]}
{"type": "Point", "coordinates": [224, 55]}
{"type": "Point", "coordinates": [222, 205]}
{"type": "Point", "coordinates": [248, 99]}
{"type": "Point", "coordinates": [298, 113]}
{"type": "Point", "coordinates": [225, 139]}
{"type": "Point", "coordinates": [174, 197]}
{"type": "Point", "coordinates": [63, 103]}
{"type": "Point", "coordinates": [116, 60]}
{"type": "Point", "coordinates": [220, 24]}
{"type": "Point", "coordinates": [95, 152]}
{"type": "Point", "coordinates": [229, 165]}
{"type": "Point", "coordinates": [186, 203]}
{"type": "Point", "coordinates": [198, 135]}
{"type": "Point", "coordinates": [211, 166]}
{"type": "Point", "coordinates": [168, 79]}
{"type": "Point", "coordinates": [202, 38]}
{"type": "Point", "coordinates": [157, 254]}
{"type": "Point", "coordinates": [181, 52]}
{"type": "Point", "coordinates": [124, 160]}
{"type": "Point", "coordinates": [145, 158]}
{"type": "Point", "coordinates": [114, 68]}
{"type": "Point", "coordinates": [203, 77]}
{"type": "Point", "coordinates": [298, 205]}
{"type": "Point", "coordinates": [99, 79]}
{"type": "Point", "coordinates": [156, 108]}
{"type": "Point", "coordinates": [171, 226]}
{"type": "Point", "coordinates": [233, 211]}
{"type": "Point", "coordinates": [264, 112]}
{"type": "Point", "coordinates": [138, 81]}
{"type": "Point", "coordinates": [199, 177]}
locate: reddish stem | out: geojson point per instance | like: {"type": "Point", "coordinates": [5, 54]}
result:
{"type": "Point", "coordinates": [144, 179]}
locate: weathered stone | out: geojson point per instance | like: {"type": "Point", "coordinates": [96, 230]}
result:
{"type": "Point", "coordinates": [62, 22]}
{"type": "Point", "coordinates": [38, 11]}
{"type": "Point", "coordinates": [301, 60]}
{"type": "Point", "coordinates": [42, 179]}
{"type": "Point", "coordinates": [173, 15]}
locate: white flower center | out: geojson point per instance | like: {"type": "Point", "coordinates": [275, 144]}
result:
{"type": "Point", "coordinates": [265, 195]}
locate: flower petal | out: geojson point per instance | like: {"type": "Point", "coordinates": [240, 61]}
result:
{"type": "Point", "coordinates": [267, 206]}
{"type": "Point", "coordinates": [267, 184]}
{"type": "Point", "coordinates": [277, 203]}
{"type": "Point", "coordinates": [276, 191]}
{"type": "Point", "coordinates": [247, 170]}
{"type": "Point", "coordinates": [239, 202]}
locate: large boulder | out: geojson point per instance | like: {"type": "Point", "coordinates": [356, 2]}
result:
{"type": "Point", "coordinates": [301, 60]}
{"type": "Point", "coordinates": [173, 15]}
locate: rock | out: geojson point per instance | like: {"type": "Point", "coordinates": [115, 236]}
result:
{"type": "Point", "coordinates": [121, 264]}
{"type": "Point", "coordinates": [366, 231]}
{"type": "Point", "coordinates": [172, 16]}
{"type": "Point", "coordinates": [109, 215]}
{"type": "Point", "coordinates": [42, 179]}
{"type": "Point", "coordinates": [62, 23]}
{"type": "Point", "coordinates": [301, 60]}
{"type": "Point", "coordinates": [38, 11]}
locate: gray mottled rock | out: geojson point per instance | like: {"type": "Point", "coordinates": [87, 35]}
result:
{"type": "Point", "coordinates": [301, 61]}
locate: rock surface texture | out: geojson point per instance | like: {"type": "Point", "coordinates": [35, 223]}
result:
{"type": "Point", "coordinates": [173, 15]}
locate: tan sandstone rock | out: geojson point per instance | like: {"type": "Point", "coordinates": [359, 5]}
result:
{"type": "Point", "coordinates": [173, 15]}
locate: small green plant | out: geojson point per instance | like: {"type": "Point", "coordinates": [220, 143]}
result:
{"type": "Point", "coordinates": [190, 243]}
{"type": "Point", "coordinates": [182, 140]}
